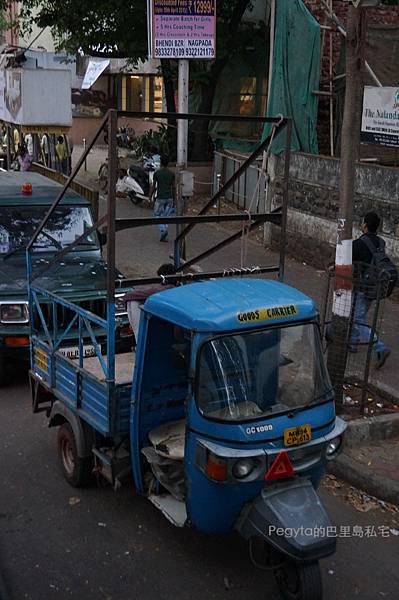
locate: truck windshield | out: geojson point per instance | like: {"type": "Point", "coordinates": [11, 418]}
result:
{"type": "Point", "coordinates": [255, 374]}
{"type": "Point", "coordinates": [67, 223]}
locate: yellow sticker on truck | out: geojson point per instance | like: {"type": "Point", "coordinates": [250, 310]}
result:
{"type": "Point", "coordinates": [41, 360]}
{"type": "Point", "coordinates": [268, 314]}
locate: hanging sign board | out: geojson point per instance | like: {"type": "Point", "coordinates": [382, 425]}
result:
{"type": "Point", "coordinates": [182, 29]}
{"type": "Point", "coordinates": [31, 97]}
{"type": "Point", "coordinates": [380, 118]}
{"type": "Point", "coordinates": [93, 72]}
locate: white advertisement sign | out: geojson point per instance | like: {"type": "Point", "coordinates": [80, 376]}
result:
{"type": "Point", "coordinates": [11, 96]}
{"type": "Point", "coordinates": [35, 97]}
{"type": "Point", "coordinates": [93, 72]}
{"type": "Point", "coordinates": [182, 29]}
{"type": "Point", "coordinates": [380, 118]}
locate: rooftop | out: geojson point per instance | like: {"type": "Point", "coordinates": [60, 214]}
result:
{"type": "Point", "coordinates": [231, 304]}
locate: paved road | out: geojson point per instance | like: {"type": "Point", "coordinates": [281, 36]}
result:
{"type": "Point", "coordinates": [56, 542]}
{"type": "Point", "coordinates": [108, 545]}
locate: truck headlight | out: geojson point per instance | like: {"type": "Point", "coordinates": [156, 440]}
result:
{"type": "Point", "coordinates": [333, 447]}
{"type": "Point", "coordinates": [14, 312]}
{"type": "Point", "coordinates": [243, 467]}
{"type": "Point", "coordinates": [120, 305]}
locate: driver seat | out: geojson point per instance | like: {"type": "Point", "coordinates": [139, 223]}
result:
{"type": "Point", "coordinates": [168, 439]}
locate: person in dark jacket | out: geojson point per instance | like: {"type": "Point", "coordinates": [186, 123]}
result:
{"type": "Point", "coordinates": [361, 256]}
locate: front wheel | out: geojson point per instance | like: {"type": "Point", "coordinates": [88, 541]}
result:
{"type": "Point", "coordinates": [135, 199]}
{"type": "Point", "coordinates": [76, 470]}
{"type": "Point", "coordinates": [298, 581]}
{"type": "Point", "coordinates": [3, 372]}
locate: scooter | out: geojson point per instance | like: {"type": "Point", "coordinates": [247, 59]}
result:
{"type": "Point", "coordinates": [140, 178]}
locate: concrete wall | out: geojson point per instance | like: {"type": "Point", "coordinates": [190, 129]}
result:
{"type": "Point", "coordinates": [313, 204]}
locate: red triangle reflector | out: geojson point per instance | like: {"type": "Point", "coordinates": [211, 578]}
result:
{"type": "Point", "coordinates": [281, 468]}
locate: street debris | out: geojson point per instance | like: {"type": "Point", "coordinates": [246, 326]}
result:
{"type": "Point", "coordinates": [226, 583]}
{"type": "Point", "coordinates": [73, 500]}
{"type": "Point", "coordinates": [102, 524]}
{"type": "Point", "coordinates": [394, 532]}
{"type": "Point", "coordinates": [361, 501]}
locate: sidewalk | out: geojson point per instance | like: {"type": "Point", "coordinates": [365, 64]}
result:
{"type": "Point", "coordinates": [139, 253]}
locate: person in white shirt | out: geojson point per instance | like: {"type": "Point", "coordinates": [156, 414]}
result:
{"type": "Point", "coordinates": [45, 150]}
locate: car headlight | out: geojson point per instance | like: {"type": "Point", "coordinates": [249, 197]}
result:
{"type": "Point", "coordinates": [120, 305]}
{"type": "Point", "coordinates": [14, 313]}
{"type": "Point", "coordinates": [333, 447]}
{"type": "Point", "coordinates": [243, 467]}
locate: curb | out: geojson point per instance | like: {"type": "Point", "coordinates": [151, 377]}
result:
{"type": "Point", "coordinates": [359, 476]}
{"type": "Point", "coordinates": [372, 429]}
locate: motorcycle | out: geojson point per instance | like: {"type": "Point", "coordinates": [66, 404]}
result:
{"type": "Point", "coordinates": [139, 179]}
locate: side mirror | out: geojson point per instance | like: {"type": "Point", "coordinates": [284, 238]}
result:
{"type": "Point", "coordinates": [180, 357]}
{"type": "Point", "coordinates": [102, 237]}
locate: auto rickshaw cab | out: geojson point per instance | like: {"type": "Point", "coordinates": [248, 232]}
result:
{"type": "Point", "coordinates": [232, 374]}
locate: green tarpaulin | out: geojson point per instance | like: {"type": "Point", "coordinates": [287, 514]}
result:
{"type": "Point", "coordinates": [296, 73]}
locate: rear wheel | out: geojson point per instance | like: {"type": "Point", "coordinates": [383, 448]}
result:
{"type": "Point", "coordinates": [103, 177]}
{"type": "Point", "coordinates": [3, 371]}
{"type": "Point", "coordinates": [77, 471]}
{"type": "Point", "coordinates": [299, 581]}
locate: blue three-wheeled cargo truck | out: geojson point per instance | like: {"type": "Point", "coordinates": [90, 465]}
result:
{"type": "Point", "coordinates": [223, 415]}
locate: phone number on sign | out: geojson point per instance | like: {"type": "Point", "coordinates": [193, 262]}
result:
{"type": "Point", "coordinates": [184, 52]}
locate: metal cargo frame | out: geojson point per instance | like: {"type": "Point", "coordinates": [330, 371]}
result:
{"type": "Point", "coordinates": [85, 320]}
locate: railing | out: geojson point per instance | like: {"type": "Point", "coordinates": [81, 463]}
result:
{"type": "Point", "coordinates": [250, 188]}
{"type": "Point", "coordinates": [248, 221]}
{"type": "Point", "coordinates": [77, 318]}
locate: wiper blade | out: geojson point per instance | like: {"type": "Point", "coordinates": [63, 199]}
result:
{"type": "Point", "coordinates": [295, 411]}
{"type": "Point", "coordinates": [85, 243]}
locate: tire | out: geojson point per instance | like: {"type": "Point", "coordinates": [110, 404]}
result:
{"type": "Point", "coordinates": [103, 177]}
{"type": "Point", "coordinates": [299, 581]}
{"type": "Point", "coordinates": [3, 372]}
{"type": "Point", "coordinates": [134, 198]}
{"type": "Point", "coordinates": [76, 470]}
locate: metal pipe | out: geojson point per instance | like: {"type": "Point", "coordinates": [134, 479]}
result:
{"type": "Point", "coordinates": [111, 212]}
{"type": "Point", "coordinates": [283, 235]}
{"type": "Point", "coordinates": [281, 123]}
{"type": "Point", "coordinates": [196, 117]}
{"type": "Point", "coordinates": [121, 224]}
{"type": "Point", "coordinates": [271, 51]}
{"type": "Point", "coordinates": [342, 31]}
{"type": "Point", "coordinates": [191, 277]}
{"type": "Point", "coordinates": [220, 245]}
{"type": "Point", "coordinates": [68, 182]}
{"type": "Point", "coordinates": [61, 253]}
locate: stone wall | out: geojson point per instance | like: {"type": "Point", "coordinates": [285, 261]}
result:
{"type": "Point", "coordinates": [314, 198]}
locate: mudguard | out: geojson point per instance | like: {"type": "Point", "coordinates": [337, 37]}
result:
{"type": "Point", "coordinates": [83, 433]}
{"type": "Point", "coordinates": [291, 517]}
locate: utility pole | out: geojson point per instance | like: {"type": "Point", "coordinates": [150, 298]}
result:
{"type": "Point", "coordinates": [350, 142]}
{"type": "Point", "coordinates": [182, 144]}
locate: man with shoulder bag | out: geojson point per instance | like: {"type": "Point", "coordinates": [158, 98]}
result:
{"type": "Point", "coordinates": [374, 275]}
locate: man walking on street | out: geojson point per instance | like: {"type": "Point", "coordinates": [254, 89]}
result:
{"type": "Point", "coordinates": [165, 188]}
{"type": "Point", "coordinates": [363, 251]}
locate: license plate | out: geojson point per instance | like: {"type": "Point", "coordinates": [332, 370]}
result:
{"type": "Point", "coordinates": [297, 435]}
{"type": "Point", "coordinates": [73, 351]}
